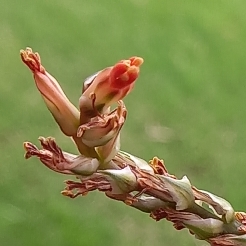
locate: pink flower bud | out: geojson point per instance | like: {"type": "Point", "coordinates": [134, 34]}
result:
{"type": "Point", "coordinates": [64, 112]}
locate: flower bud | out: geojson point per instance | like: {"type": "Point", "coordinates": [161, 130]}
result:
{"type": "Point", "coordinates": [107, 87]}
{"type": "Point", "coordinates": [64, 112]}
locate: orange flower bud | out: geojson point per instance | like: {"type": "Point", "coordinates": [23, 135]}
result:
{"type": "Point", "coordinates": [107, 87]}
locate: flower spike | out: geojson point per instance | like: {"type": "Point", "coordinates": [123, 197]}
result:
{"type": "Point", "coordinates": [102, 166]}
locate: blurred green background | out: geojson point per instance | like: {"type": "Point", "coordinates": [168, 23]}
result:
{"type": "Point", "coordinates": [188, 107]}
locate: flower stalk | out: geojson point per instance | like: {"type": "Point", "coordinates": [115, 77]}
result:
{"type": "Point", "coordinates": [101, 165]}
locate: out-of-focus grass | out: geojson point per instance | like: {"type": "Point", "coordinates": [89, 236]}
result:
{"type": "Point", "coordinates": [187, 107]}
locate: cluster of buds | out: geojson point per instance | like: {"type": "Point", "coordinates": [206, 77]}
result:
{"type": "Point", "coordinates": [101, 164]}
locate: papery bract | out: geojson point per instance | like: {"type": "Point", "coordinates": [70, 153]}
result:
{"type": "Point", "coordinates": [134, 161]}
{"type": "Point", "coordinates": [122, 181]}
{"type": "Point", "coordinates": [219, 204]}
{"type": "Point", "coordinates": [180, 190]}
{"type": "Point", "coordinates": [102, 128]}
{"type": "Point", "coordinates": [109, 150]}
{"type": "Point", "coordinates": [205, 228]}
{"type": "Point", "coordinates": [228, 240]}
{"type": "Point", "coordinates": [62, 162]}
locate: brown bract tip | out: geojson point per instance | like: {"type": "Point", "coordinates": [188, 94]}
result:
{"type": "Point", "coordinates": [30, 149]}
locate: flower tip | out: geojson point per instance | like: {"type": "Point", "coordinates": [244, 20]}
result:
{"type": "Point", "coordinates": [26, 51]}
{"type": "Point", "coordinates": [125, 72]}
{"type": "Point", "coordinates": [31, 59]}
{"type": "Point", "coordinates": [30, 149]}
{"type": "Point", "coordinates": [136, 61]}
{"type": "Point", "coordinates": [25, 54]}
